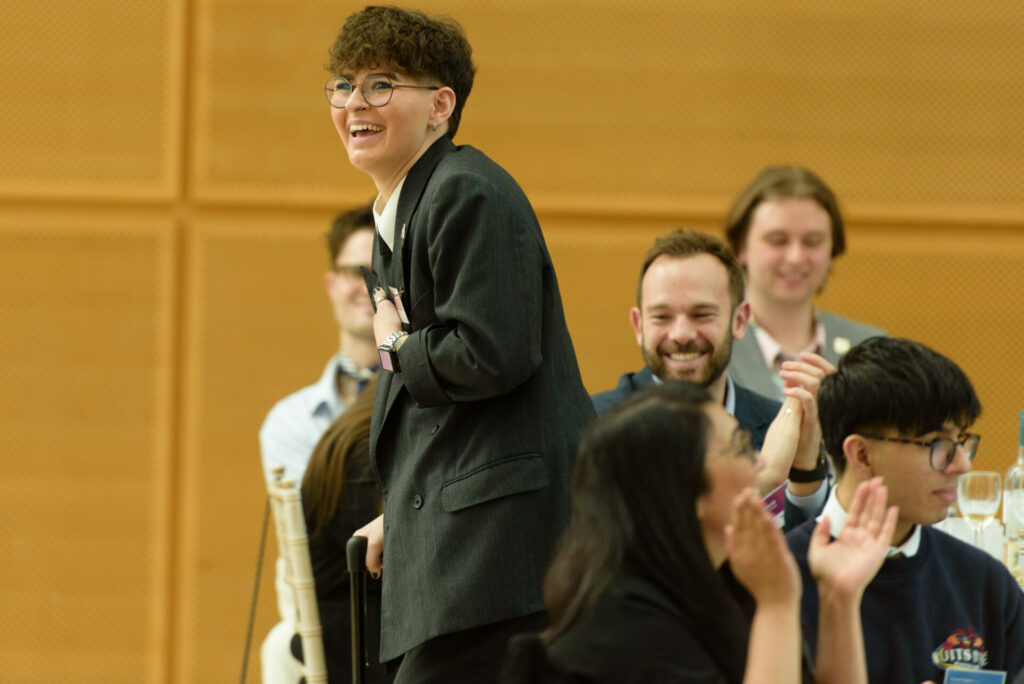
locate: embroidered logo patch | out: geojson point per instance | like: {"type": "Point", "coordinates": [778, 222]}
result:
{"type": "Point", "coordinates": [962, 649]}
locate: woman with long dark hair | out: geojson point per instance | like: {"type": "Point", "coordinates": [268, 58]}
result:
{"type": "Point", "coordinates": [640, 590]}
{"type": "Point", "coordinates": [339, 493]}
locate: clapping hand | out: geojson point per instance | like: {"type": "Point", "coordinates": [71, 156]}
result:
{"type": "Point", "coordinates": [844, 567]}
{"type": "Point", "coordinates": [758, 554]}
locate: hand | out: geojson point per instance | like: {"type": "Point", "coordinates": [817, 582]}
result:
{"type": "Point", "coordinates": [808, 372]}
{"type": "Point", "coordinates": [374, 533]}
{"type": "Point", "coordinates": [805, 455]}
{"type": "Point", "coordinates": [780, 445]}
{"type": "Point", "coordinates": [844, 567]}
{"type": "Point", "coordinates": [758, 553]}
{"type": "Point", "coordinates": [386, 320]}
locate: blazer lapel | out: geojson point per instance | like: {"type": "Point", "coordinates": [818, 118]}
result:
{"type": "Point", "coordinates": [412, 192]}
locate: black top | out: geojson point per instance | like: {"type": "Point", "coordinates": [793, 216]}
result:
{"type": "Point", "coordinates": [359, 503]}
{"type": "Point", "coordinates": [634, 634]}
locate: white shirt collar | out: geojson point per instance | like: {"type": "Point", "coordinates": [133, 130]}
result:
{"type": "Point", "coordinates": [385, 220]}
{"type": "Point", "coordinates": [836, 515]}
{"type": "Point", "coordinates": [730, 396]}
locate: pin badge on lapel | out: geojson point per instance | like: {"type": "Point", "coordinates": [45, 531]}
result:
{"type": "Point", "coordinates": [403, 233]}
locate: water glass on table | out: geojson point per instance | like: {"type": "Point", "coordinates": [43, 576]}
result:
{"type": "Point", "coordinates": [977, 495]}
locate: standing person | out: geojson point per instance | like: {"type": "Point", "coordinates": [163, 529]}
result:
{"type": "Point", "coordinates": [477, 415]}
{"type": "Point", "coordinates": [294, 425]}
{"type": "Point", "coordinates": [785, 228]}
{"type": "Point", "coordinates": [644, 585]}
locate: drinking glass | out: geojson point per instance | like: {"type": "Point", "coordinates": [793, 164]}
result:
{"type": "Point", "coordinates": [1015, 496]}
{"type": "Point", "coordinates": [977, 494]}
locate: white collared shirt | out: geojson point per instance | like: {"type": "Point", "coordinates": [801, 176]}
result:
{"type": "Point", "coordinates": [836, 515]}
{"type": "Point", "coordinates": [385, 220]}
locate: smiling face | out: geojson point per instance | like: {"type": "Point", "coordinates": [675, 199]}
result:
{"type": "Point", "coordinates": [685, 324]}
{"type": "Point", "coordinates": [346, 289]}
{"type": "Point", "coordinates": [385, 142]}
{"type": "Point", "coordinates": [787, 250]}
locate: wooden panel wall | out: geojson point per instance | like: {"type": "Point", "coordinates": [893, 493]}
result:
{"type": "Point", "coordinates": [169, 167]}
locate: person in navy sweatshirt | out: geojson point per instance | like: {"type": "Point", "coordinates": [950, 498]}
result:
{"type": "Point", "coordinates": [899, 410]}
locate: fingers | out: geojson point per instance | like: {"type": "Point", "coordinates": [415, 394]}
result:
{"type": "Point", "coordinates": [821, 536]}
{"type": "Point", "coordinates": [374, 533]}
{"type": "Point", "coordinates": [889, 526]}
{"type": "Point", "coordinates": [807, 372]}
{"type": "Point", "coordinates": [803, 398]}
{"type": "Point", "coordinates": [817, 361]}
{"type": "Point", "coordinates": [746, 509]}
{"type": "Point", "coordinates": [860, 496]}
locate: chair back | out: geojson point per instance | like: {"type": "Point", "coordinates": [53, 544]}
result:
{"type": "Point", "coordinates": [293, 544]}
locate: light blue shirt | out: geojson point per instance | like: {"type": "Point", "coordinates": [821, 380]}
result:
{"type": "Point", "coordinates": [296, 423]}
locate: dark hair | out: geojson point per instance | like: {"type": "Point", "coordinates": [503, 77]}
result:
{"type": "Point", "coordinates": [344, 225]}
{"type": "Point", "coordinates": [889, 382]}
{"type": "Point", "coordinates": [687, 243]}
{"type": "Point", "coordinates": [324, 480]}
{"type": "Point", "coordinates": [411, 42]}
{"type": "Point", "coordinates": [638, 473]}
{"type": "Point", "coordinates": [782, 182]}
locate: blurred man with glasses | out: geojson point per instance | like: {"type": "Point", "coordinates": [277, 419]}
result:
{"type": "Point", "coordinates": [895, 409]}
{"type": "Point", "coordinates": [295, 424]}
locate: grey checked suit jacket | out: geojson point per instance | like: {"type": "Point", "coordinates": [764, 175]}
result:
{"type": "Point", "coordinates": [473, 440]}
{"type": "Point", "coordinates": [747, 366]}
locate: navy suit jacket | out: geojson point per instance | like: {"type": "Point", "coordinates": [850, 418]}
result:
{"type": "Point", "coordinates": [474, 438]}
{"type": "Point", "coordinates": [753, 412]}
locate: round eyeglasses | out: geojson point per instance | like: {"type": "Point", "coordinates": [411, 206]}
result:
{"type": "Point", "coordinates": [376, 89]}
{"type": "Point", "coordinates": [943, 449]}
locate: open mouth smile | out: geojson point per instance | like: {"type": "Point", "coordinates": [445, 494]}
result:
{"type": "Point", "coordinates": [364, 130]}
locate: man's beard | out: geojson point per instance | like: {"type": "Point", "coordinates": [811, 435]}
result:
{"type": "Point", "coordinates": [717, 360]}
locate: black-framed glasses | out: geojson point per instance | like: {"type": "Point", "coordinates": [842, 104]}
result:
{"type": "Point", "coordinates": [942, 449]}
{"type": "Point", "coordinates": [377, 90]}
{"type": "Point", "coordinates": [740, 446]}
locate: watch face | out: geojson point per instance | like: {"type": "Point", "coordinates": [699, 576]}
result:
{"type": "Point", "coordinates": [385, 361]}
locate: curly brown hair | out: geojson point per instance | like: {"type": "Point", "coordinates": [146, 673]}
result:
{"type": "Point", "coordinates": [410, 42]}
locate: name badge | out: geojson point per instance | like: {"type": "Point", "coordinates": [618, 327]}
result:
{"type": "Point", "coordinates": [974, 677]}
{"type": "Point", "coordinates": [775, 503]}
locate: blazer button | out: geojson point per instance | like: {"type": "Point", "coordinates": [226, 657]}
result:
{"type": "Point", "coordinates": [417, 501]}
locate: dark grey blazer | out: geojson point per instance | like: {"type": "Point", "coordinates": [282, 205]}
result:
{"type": "Point", "coordinates": [747, 365]}
{"type": "Point", "coordinates": [473, 440]}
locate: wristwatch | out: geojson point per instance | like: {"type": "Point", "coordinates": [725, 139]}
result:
{"type": "Point", "coordinates": [388, 353]}
{"type": "Point", "coordinates": [819, 473]}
